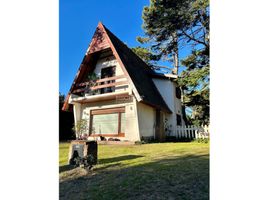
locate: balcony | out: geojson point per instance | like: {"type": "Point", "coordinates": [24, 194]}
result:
{"type": "Point", "coordinates": [102, 89]}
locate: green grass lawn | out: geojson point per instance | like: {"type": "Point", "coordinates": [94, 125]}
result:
{"type": "Point", "coordinates": [148, 171]}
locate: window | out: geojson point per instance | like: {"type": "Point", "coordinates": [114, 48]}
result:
{"type": "Point", "coordinates": [178, 93]}
{"type": "Point", "coordinates": [108, 122]}
{"type": "Point", "coordinates": [105, 123]}
{"type": "Point", "coordinates": [178, 120]}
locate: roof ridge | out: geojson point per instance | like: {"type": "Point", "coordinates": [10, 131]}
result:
{"type": "Point", "coordinates": [146, 87]}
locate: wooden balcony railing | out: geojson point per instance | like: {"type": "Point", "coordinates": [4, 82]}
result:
{"type": "Point", "coordinates": [100, 85]}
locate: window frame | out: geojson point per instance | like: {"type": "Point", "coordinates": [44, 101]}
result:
{"type": "Point", "coordinates": [178, 92]}
{"type": "Point", "coordinates": [178, 120]}
{"type": "Point", "coordinates": [118, 110]}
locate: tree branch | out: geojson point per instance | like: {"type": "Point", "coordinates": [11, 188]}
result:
{"type": "Point", "coordinates": [158, 67]}
{"type": "Point", "coordinates": [194, 39]}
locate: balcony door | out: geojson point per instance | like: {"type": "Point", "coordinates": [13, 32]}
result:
{"type": "Point", "coordinates": [106, 73]}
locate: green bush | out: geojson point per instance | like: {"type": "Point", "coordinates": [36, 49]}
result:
{"type": "Point", "coordinates": [202, 140]}
{"type": "Point", "coordinates": [81, 128]}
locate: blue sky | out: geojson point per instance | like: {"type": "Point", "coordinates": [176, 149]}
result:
{"type": "Point", "coordinates": [78, 21]}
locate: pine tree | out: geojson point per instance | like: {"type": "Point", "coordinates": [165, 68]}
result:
{"type": "Point", "coordinates": [146, 55]}
{"type": "Point", "coordinates": [170, 25]}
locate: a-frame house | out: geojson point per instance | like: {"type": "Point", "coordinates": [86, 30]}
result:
{"type": "Point", "coordinates": [120, 96]}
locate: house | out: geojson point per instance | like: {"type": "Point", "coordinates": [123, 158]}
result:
{"type": "Point", "coordinates": [120, 96]}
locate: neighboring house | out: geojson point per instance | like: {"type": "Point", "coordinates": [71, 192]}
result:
{"type": "Point", "coordinates": [129, 101]}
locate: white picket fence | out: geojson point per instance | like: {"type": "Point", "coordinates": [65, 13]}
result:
{"type": "Point", "coordinates": [193, 132]}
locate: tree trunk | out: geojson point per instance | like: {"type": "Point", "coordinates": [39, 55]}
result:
{"type": "Point", "coordinates": [176, 54]}
{"type": "Point", "coordinates": [183, 112]}
{"type": "Point", "coordinates": [176, 71]}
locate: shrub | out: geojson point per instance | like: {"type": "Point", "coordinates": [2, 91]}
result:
{"type": "Point", "coordinates": [202, 140]}
{"type": "Point", "coordinates": [185, 139]}
{"type": "Point", "coordinates": [81, 129]}
{"type": "Point", "coordinates": [140, 142]}
{"type": "Point", "coordinates": [171, 139]}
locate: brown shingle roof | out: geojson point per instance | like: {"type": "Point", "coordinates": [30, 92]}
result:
{"type": "Point", "coordinates": [139, 73]}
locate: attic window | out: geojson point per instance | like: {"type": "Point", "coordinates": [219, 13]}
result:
{"type": "Point", "coordinates": [178, 93]}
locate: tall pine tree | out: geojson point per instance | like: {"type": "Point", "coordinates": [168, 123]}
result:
{"type": "Point", "coordinates": [170, 25]}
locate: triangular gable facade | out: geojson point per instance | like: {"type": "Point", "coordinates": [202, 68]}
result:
{"type": "Point", "coordinates": [99, 41]}
{"type": "Point", "coordinates": [136, 71]}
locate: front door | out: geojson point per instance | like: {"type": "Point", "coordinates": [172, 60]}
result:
{"type": "Point", "coordinates": [159, 126]}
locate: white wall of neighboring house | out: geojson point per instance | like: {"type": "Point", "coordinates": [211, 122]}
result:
{"type": "Point", "coordinates": [146, 119]}
{"type": "Point", "coordinates": [167, 89]}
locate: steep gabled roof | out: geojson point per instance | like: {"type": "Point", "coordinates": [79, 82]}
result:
{"type": "Point", "coordinates": [137, 71]}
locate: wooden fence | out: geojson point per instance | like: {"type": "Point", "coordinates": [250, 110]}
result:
{"type": "Point", "coordinates": [193, 132]}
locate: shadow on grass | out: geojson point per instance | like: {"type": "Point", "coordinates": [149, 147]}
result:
{"type": "Point", "coordinates": [65, 168]}
{"type": "Point", "coordinates": [118, 159]}
{"type": "Point", "coordinates": [181, 177]}
{"type": "Point", "coordinates": [107, 167]}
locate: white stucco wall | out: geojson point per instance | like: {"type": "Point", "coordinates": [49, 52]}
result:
{"type": "Point", "coordinates": [167, 89]}
{"type": "Point", "coordinates": [146, 118]}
